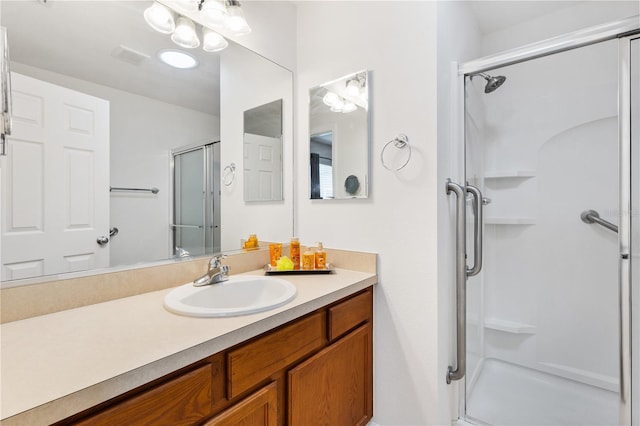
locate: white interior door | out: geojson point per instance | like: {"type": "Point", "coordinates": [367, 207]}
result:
{"type": "Point", "coordinates": [262, 168]}
{"type": "Point", "coordinates": [55, 181]}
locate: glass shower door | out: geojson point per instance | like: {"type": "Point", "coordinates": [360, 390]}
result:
{"type": "Point", "coordinates": [635, 223]}
{"type": "Point", "coordinates": [542, 317]}
{"type": "Point", "coordinates": [196, 181]}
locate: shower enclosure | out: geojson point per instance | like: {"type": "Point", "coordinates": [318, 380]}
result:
{"type": "Point", "coordinates": [196, 200]}
{"type": "Point", "coordinates": [546, 238]}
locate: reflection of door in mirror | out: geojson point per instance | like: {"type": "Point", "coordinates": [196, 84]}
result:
{"type": "Point", "coordinates": [321, 165]}
{"type": "Point", "coordinates": [196, 201]}
{"type": "Point", "coordinates": [262, 152]}
{"type": "Point", "coordinates": [56, 178]}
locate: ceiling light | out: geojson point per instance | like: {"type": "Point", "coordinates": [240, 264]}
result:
{"type": "Point", "coordinates": [177, 59]}
{"type": "Point", "coordinates": [185, 34]}
{"type": "Point", "coordinates": [214, 12]}
{"type": "Point", "coordinates": [236, 22]}
{"type": "Point", "coordinates": [338, 105]}
{"type": "Point", "coordinates": [212, 41]}
{"type": "Point", "coordinates": [160, 18]}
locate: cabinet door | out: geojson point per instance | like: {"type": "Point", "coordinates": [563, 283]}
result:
{"type": "Point", "coordinates": [335, 386]}
{"type": "Point", "coordinates": [259, 409]}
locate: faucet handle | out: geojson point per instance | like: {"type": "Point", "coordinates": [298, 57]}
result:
{"type": "Point", "coordinates": [216, 261]}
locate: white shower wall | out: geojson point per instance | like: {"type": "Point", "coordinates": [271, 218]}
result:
{"type": "Point", "coordinates": [549, 152]}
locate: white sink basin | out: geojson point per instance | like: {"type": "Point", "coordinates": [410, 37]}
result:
{"type": "Point", "coordinates": [241, 295]}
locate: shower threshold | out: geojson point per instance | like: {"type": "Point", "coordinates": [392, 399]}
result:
{"type": "Point", "coordinates": [506, 394]}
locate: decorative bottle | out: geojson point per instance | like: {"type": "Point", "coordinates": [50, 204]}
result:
{"type": "Point", "coordinates": [321, 257]}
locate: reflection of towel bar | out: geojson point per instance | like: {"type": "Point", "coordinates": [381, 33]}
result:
{"type": "Point", "coordinates": [152, 190]}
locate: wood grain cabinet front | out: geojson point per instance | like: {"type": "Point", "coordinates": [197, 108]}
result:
{"type": "Point", "coordinates": [258, 409]}
{"type": "Point", "coordinates": [315, 370]}
{"type": "Point", "coordinates": [334, 387]}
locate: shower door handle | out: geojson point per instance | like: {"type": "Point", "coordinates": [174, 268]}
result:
{"type": "Point", "coordinates": [478, 203]}
{"type": "Point", "coordinates": [461, 283]}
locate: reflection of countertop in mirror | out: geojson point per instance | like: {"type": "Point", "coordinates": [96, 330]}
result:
{"type": "Point", "coordinates": [55, 365]}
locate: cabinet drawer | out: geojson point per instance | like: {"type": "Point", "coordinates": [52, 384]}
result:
{"type": "Point", "coordinates": [349, 314]}
{"type": "Point", "coordinates": [252, 363]}
{"type": "Point", "coordinates": [182, 401]}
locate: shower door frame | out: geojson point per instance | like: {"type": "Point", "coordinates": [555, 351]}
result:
{"type": "Point", "coordinates": [624, 30]}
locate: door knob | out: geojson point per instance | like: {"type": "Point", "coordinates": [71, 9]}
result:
{"type": "Point", "coordinates": [102, 240]}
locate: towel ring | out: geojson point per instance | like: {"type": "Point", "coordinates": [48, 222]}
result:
{"type": "Point", "coordinates": [401, 149]}
{"type": "Point", "coordinates": [229, 174]}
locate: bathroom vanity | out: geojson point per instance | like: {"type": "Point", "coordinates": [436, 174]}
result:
{"type": "Point", "coordinates": [130, 358]}
{"type": "Point", "coordinates": [313, 370]}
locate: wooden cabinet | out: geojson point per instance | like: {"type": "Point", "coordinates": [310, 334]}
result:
{"type": "Point", "coordinates": [334, 387]}
{"type": "Point", "coordinates": [315, 370]}
{"type": "Point", "coordinates": [258, 409]}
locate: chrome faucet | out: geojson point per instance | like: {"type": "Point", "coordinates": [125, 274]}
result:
{"type": "Point", "coordinates": [217, 272]}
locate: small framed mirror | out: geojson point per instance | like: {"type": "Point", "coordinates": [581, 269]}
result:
{"type": "Point", "coordinates": [262, 159]}
{"type": "Point", "coordinates": [339, 138]}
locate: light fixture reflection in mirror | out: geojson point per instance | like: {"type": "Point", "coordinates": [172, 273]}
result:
{"type": "Point", "coordinates": [339, 138]}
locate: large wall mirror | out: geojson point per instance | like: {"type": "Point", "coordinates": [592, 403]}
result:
{"type": "Point", "coordinates": [103, 82]}
{"type": "Point", "coordinates": [339, 138]}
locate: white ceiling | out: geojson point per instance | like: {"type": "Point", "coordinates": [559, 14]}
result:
{"type": "Point", "coordinates": [82, 39]}
{"type": "Point", "coordinates": [496, 15]}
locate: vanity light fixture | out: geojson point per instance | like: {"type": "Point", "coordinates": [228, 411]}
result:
{"type": "Point", "coordinates": [177, 59]}
{"type": "Point", "coordinates": [236, 22]}
{"type": "Point", "coordinates": [214, 12]}
{"type": "Point", "coordinates": [212, 41]}
{"type": "Point", "coordinates": [227, 14]}
{"type": "Point", "coordinates": [185, 34]}
{"type": "Point", "coordinates": [160, 18]}
{"type": "Point", "coordinates": [338, 103]}
{"type": "Point", "coordinates": [355, 86]}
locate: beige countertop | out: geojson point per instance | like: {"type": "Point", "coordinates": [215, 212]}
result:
{"type": "Point", "coordinates": [55, 365]}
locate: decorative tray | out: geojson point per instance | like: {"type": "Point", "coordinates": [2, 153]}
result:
{"type": "Point", "coordinates": [270, 270]}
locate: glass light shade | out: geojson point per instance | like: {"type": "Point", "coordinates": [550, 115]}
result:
{"type": "Point", "coordinates": [337, 107]}
{"type": "Point", "coordinates": [177, 59]}
{"type": "Point", "coordinates": [353, 88]}
{"type": "Point", "coordinates": [185, 34]}
{"type": "Point", "coordinates": [330, 99]}
{"type": "Point", "coordinates": [160, 18]}
{"type": "Point", "coordinates": [212, 41]}
{"type": "Point", "coordinates": [190, 5]}
{"type": "Point", "coordinates": [214, 13]}
{"type": "Point", "coordinates": [236, 22]}
{"type": "Point", "coordinates": [348, 107]}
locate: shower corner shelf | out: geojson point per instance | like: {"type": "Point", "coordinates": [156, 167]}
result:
{"type": "Point", "coordinates": [510, 221]}
{"type": "Point", "coordinates": [510, 174]}
{"type": "Point", "coordinates": [509, 326]}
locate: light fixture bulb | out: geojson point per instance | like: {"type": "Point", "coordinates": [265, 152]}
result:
{"type": "Point", "coordinates": [190, 5]}
{"type": "Point", "coordinates": [214, 13]}
{"type": "Point", "coordinates": [177, 59]}
{"type": "Point", "coordinates": [353, 87]}
{"type": "Point", "coordinates": [338, 105]}
{"type": "Point", "coordinates": [236, 22]}
{"type": "Point", "coordinates": [160, 18]}
{"type": "Point", "coordinates": [348, 107]}
{"type": "Point", "coordinates": [330, 99]}
{"type": "Point", "coordinates": [212, 41]}
{"type": "Point", "coordinates": [185, 34]}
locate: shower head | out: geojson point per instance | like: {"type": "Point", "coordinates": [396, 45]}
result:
{"type": "Point", "coordinates": [492, 82]}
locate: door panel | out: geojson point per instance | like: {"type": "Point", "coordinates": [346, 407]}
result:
{"type": "Point", "coordinates": [56, 181]}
